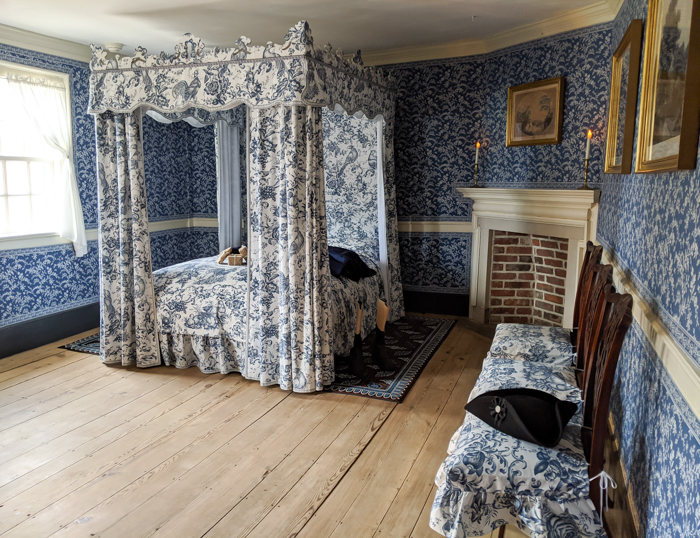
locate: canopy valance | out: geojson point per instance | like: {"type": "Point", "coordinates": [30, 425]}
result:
{"type": "Point", "coordinates": [294, 73]}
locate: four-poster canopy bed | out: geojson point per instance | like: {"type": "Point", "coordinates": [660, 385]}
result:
{"type": "Point", "coordinates": [280, 319]}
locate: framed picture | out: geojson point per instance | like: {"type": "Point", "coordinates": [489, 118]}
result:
{"type": "Point", "coordinates": [535, 113]}
{"type": "Point", "coordinates": [670, 104]}
{"type": "Point", "coordinates": [623, 101]}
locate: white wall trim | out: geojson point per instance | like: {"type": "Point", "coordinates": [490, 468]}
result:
{"type": "Point", "coordinates": [680, 367]}
{"type": "Point", "coordinates": [598, 13]}
{"type": "Point", "coordinates": [438, 226]}
{"type": "Point", "coordinates": [47, 240]}
{"type": "Point", "coordinates": [43, 43]}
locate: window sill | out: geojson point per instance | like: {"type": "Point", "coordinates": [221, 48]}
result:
{"type": "Point", "coordinates": [15, 242]}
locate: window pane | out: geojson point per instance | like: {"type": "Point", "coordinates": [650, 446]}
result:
{"type": "Point", "coordinates": [43, 210]}
{"type": "Point", "coordinates": [17, 177]}
{"type": "Point", "coordinates": [20, 213]}
{"type": "Point", "coordinates": [40, 176]}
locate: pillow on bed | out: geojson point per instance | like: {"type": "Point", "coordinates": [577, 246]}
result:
{"type": "Point", "coordinates": [348, 264]}
{"type": "Point", "coordinates": [527, 414]}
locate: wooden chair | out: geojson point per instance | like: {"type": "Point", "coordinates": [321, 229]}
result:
{"type": "Point", "coordinates": [591, 257]}
{"type": "Point", "coordinates": [616, 319]}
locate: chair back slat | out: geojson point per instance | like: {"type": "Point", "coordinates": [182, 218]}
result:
{"type": "Point", "coordinates": [591, 257]}
{"type": "Point", "coordinates": [617, 319]}
{"type": "Point", "coordinates": [600, 278]}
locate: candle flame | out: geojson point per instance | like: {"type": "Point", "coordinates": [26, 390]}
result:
{"type": "Point", "coordinates": [590, 133]}
{"type": "Point", "coordinates": [478, 144]}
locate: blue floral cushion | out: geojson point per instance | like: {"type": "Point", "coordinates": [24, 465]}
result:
{"type": "Point", "coordinates": [551, 345]}
{"type": "Point", "coordinates": [497, 374]}
{"type": "Point", "coordinates": [491, 479]}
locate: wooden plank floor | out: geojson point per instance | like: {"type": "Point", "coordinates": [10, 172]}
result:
{"type": "Point", "coordinates": [91, 450]}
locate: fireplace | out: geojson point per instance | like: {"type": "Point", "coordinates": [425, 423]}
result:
{"type": "Point", "coordinates": [528, 279]}
{"type": "Point", "coordinates": [547, 231]}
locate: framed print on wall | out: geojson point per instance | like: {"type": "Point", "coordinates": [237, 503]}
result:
{"type": "Point", "coordinates": [670, 104]}
{"type": "Point", "coordinates": [535, 113]}
{"type": "Point", "coordinates": [623, 101]}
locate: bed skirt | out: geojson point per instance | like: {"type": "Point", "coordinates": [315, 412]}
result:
{"type": "Point", "coordinates": [211, 355]}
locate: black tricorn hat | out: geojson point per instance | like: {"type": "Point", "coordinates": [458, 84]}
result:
{"type": "Point", "coordinates": [527, 414]}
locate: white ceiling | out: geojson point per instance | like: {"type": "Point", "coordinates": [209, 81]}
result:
{"type": "Point", "coordinates": [369, 25]}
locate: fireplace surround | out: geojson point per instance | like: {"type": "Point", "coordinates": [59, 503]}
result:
{"type": "Point", "coordinates": [570, 216]}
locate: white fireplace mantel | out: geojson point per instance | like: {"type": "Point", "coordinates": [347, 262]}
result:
{"type": "Point", "coordinates": [569, 214]}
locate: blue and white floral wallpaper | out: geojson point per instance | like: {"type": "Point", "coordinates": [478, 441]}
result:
{"type": "Point", "coordinates": [651, 224]}
{"type": "Point", "coordinates": [181, 183]}
{"type": "Point", "coordinates": [445, 106]}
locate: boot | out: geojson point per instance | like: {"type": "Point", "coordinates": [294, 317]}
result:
{"type": "Point", "coordinates": [357, 359]}
{"type": "Point", "coordinates": [379, 355]}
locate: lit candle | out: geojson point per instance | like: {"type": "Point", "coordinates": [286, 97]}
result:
{"type": "Point", "coordinates": [478, 145]}
{"type": "Point", "coordinates": [588, 144]}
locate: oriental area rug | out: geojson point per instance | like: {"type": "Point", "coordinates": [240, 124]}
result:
{"type": "Point", "coordinates": [411, 342]}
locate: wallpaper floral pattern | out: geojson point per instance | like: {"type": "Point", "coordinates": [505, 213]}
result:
{"type": "Point", "coordinates": [445, 106]}
{"type": "Point", "coordinates": [436, 262]}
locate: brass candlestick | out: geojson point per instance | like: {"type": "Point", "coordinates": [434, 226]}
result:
{"type": "Point", "coordinates": [585, 186]}
{"type": "Point", "coordinates": [476, 177]}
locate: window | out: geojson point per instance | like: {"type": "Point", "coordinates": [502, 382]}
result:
{"type": "Point", "coordinates": [38, 190]}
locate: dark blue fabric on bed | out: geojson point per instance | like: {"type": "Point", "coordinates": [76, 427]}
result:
{"type": "Point", "coordinates": [347, 263]}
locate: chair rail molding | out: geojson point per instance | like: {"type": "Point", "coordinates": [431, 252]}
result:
{"type": "Point", "coordinates": [568, 214]}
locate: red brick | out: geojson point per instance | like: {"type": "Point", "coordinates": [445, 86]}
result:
{"type": "Point", "coordinates": [505, 258]}
{"type": "Point", "coordinates": [525, 259]}
{"type": "Point", "coordinates": [496, 302]}
{"type": "Point", "coordinates": [546, 270]}
{"type": "Point", "coordinates": [502, 310]}
{"type": "Point", "coordinates": [553, 317]}
{"type": "Point", "coordinates": [500, 233]}
{"type": "Point", "coordinates": [556, 281]}
{"type": "Point", "coordinates": [564, 246]}
{"type": "Point", "coordinates": [526, 276]}
{"type": "Point", "coordinates": [518, 250]}
{"type": "Point", "coordinates": [535, 242]}
{"type": "Point", "coordinates": [545, 287]}
{"type": "Point", "coordinates": [544, 306]}
{"type": "Point", "coordinates": [497, 284]}
{"type": "Point", "coordinates": [560, 272]}
{"type": "Point", "coordinates": [559, 310]}
{"type": "Point", "coordinates": [524, 293]}
{"type": "Point", "coordinates": [526, 241]}
{"type": "Point", "coordinates": [524, 311]}
{"type": "Point", "coordinates": [497, 267]}
{"type": "Point", "coordinates": [545, 253]}
{"type": "Point", "coordinates": [553, 263]}
{"type": "Point", "coordinates": [506, 241]}
{"type": "Point", "coordinates": [553, 298]}
{"type": "Point", "coordinates": [550, 244]}
{"type": "Point", "coordinates": [516, 234]}
{"type": "Point", "coordinates": [499, 250]}
{"type": "Point", "coordinates": [518, 267]}
{"type": "Point", "coordinates": [503, 276]}
{"type": "Point", "coordinates": [515, 319]}
{"type": "Point", "coordinates": [503, 293]}
{"type": "Point", "coordinates": [516, 302]}
{"type": "Point", "coordinates": [517, 285]}
{"type": "Point", "coordinates": [560, 291]}
{"type": "Point", "coordinates": [540, 278]}
{"type": "Point", "coordinates": [562, 255]}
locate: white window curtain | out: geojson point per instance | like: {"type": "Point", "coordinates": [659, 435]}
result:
{"type": "Point", "coordinates": [46, 104]}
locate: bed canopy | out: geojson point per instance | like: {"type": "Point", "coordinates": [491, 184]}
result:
{"type": "Point", "coordinates": [283, 90]}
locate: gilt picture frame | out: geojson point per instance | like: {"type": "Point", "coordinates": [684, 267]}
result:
{"type": "Point", "coordinates": [535, 113]}
{"type": "Point", "coordinates": [622, 110]}
{"type": "Point", "coordinates": [667, 139]}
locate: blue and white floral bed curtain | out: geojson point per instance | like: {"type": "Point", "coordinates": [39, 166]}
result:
{"type": "Point", "coordinates": [289, 334]}
{"type": "Point", "coordinates": [127, 303]}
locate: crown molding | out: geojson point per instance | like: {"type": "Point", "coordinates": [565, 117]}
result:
{"type": "Point", "coordinates": [42, 43]}
{"type": "Point", "coordinates": [598, 13]}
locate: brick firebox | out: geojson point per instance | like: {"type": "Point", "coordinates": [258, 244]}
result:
{"type": "Point", "coordinates": [528, 274]}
